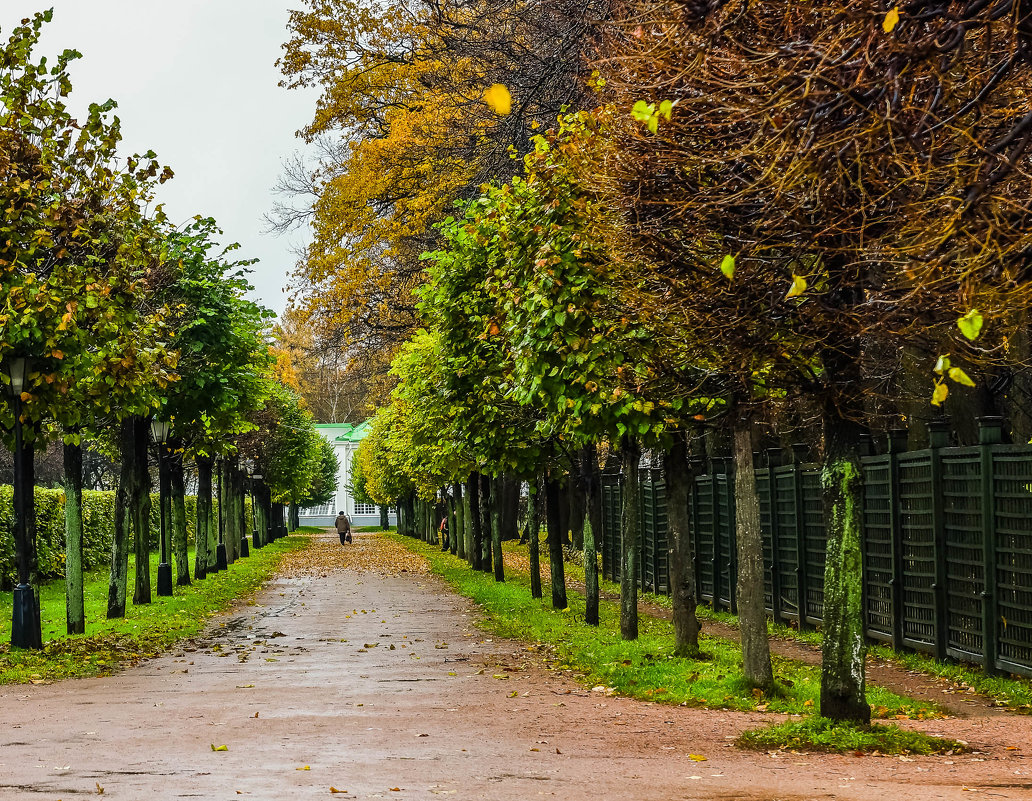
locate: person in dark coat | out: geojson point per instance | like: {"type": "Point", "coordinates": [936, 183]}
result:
{"type": "Point", "coordinates": [343, 526]}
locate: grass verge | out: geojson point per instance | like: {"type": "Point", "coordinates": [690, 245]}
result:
{"type": "Point", "coordinates": [145, 631]}
{"type": "Point", "coordinates": [1010, 691]}
{"type": "Point", "coordinates": [822, 734]}
{"type": "Point", "coordinates": [644, 668]}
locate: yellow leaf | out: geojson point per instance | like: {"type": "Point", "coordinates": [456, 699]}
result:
{"type": "Point", "coordinates": [219, 747]}
{"type": "Point", "coordinates": [697, 758]}
{"type": "Point", "coordinates": [513, 694]}
{"type": "Point", "coordinates": [498, 99]}
{"type": "Point", "coordinates": [958, 375]}
{"type": "Point", "coordinates": [891, 20]}
{"type": "Point", "coordinates": [808, 702]}
{"type": "Point", "coordinates": [939, 393]}
{"type": "Point", "coordinates": [306, 767]}
{"type": "Point", "coordinates": [335, 790]}
{"type": "Point", "coordinates": [727, 267]}
{"type": "Point", "coordinates": [798, 287]}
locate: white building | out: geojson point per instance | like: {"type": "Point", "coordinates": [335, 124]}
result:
{"type": "Point", "coordinates": [345, 438]}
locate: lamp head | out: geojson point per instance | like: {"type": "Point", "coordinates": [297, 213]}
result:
{"type": "Point", "coordinates": [159, 430]}
{"type": "Point", "coordinates": [17, 368]}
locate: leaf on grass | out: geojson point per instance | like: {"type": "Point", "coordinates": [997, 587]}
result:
{"type": "Point", "coordinates": [798, 287]}
{"type": "Point", "coordinates": [970, 324]}
{"type": "Point", "coordinates": [219, 747]}
{"type": "Point", "coordinates": [960, 377]}
{"type": "Point", "coordinates": [808, 702]}
{"type": "Point", "coordinates": [498, 99]}
{"type": "Point", "coordinates": [891, 20]}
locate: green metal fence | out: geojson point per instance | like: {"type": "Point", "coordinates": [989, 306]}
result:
{"type": "Point", "coordinates": [947, 543]}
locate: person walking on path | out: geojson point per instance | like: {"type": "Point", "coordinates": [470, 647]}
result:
{"type": "Point", "coordinates": [343, 526]}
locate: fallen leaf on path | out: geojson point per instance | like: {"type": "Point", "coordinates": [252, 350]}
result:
{"type": "Point", "coordinates": [513, 694]}
{"type": "Point", "coordinates": [306, 767]}
{"type": "Point", "coordinates": [697, 758]}
{"type": "Point", "coordinates": [335, 790]}
{"type": "Point", "coordinates": [219, 747]}
{"type": "Point", "coordinates": [100, 790]}
{"type": "Point", "coordinates": [395, 789]}
{"type": "Point", "coordinates": [499, 676]}
{"type": "Point", "coordinates": [256, 714]}
{"type": "Point", "coordinates": [370, 644]}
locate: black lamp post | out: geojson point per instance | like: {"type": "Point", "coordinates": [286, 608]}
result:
{"type": "Point", "coordinates": [159, 430]}
{"type": "Point", "coordinates": [221, 557]}
{"type": "Point", "coordinates": [26, 631]}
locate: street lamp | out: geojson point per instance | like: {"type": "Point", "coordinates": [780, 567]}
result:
{"type": "Point", "coordinates": [26, 631]}
{"type": "Point", "coordinates": [159, 430]}
{"type": "Point", "coordinates": [251, 478]}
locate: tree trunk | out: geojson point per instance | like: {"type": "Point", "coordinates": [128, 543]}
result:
{"type": "Point", "coordinates": [448, 539]}
{"type": "Point", "coordinates": [749, 592]}
{"type": "Point", "coordinates": [141, 509]}
{"type": "Point", "coordinates": [201, 537]}
{"type": "Point", "coordinates": [843, 679]}
{"type": "Point", "coordinates": [497, 511]}
{"type": "Point", "coordinates": [294, 516]}
{"type": "Point", "coordinates": [180, 543]}
{"type": "Point", "coordinates": [591, 491]}
{"type": "Point", "coordinates": [460, 520]}
{"type": "Point", "coordinates": [75, 610]}
{"type": "Point", "coordinates": [553, 504]}
{"type": "Point", "coordinates": [486, 501]}
{"type": "Point", "coordinates": [683, 592]}
{"type": "Point", "coordinates": [475, 551]}
{"type": "Point", "coordinates": [385, 519]}
{"type": "Point", "coordinates": [231, 516]}
{"type": "Point", "coordinates": [119, 578]}
{"type": "Point", "coordinates": [631, 534]}
{"type": "Point", "coordinates": [534, 534]}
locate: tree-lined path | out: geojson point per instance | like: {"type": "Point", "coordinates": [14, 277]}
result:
{"type": "Point", "coordinates": [356, 670]}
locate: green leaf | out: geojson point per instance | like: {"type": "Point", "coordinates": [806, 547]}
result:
{"type": "Point", "coordinates": [942, 365]}
{"type": "Point", "coordinates": [727, 267]}
{"type": "Point", "coordinates": [958, 375]}
{"type": "Point", "coordinates": [642, 111]}
{"type": "Point", "coordinates": [665, 108]}
{"type": "Point", "coordinates": [971, 324]}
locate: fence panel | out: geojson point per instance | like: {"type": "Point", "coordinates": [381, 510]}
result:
{"type": "Point", "coordinates": [1012, 485]}
{"type": "Point", "coordinates": [815, 539]}
{"type": "Point", "coordinates": [653, 531]}
{"type": "Point", "coordinates": [726, 552]}
{"type": "Point", "coordinates": [787, 520]}
{"type": "Point", "coordinates": [918, 549]}
{"type": "Point", "coordinates": [765, 494]}
{"type": "Point", "coordinates": [611, 504]}
{"type": "Point", "coordinates": [965, 568]}
{"type": "Point", "coordinates": [705, 519]}
{"type": "Point", "coordinates": [879, 565]}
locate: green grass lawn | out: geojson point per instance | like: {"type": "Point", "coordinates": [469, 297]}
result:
{"type": "Point", "coordinates": [644, 668]}
{"type": "Point", "coordinates": [146, 630]}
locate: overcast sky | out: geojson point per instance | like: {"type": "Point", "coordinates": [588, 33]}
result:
{"type": "Point", "coordinates": [195, 81]}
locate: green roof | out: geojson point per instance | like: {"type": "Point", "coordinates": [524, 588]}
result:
{"type": "Point", "coordinates": [346, 432]}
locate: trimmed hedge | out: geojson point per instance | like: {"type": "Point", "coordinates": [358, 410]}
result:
{"type": "Point", "coordinates": [98, 530]}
